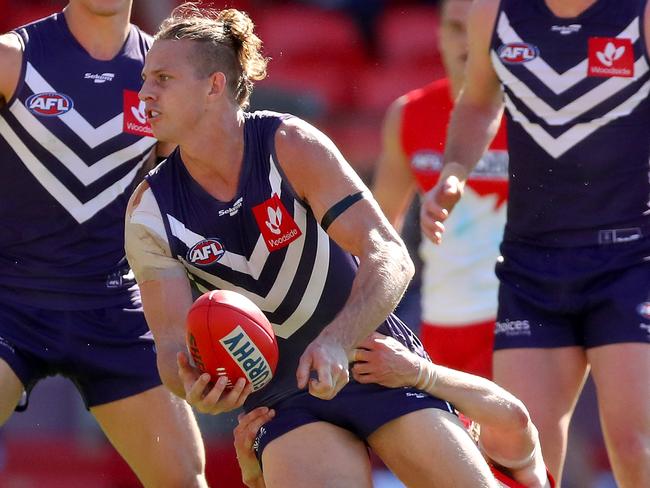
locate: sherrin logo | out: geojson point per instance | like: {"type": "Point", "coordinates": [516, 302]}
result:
{"type": "Point", "coordinates": [206, 252]}
{"type": "Point", "coordinates": [49, 104]}
{"type": "Point", "coordinates": [249, 358]}
{"type": "Point", "coordinates": [517, 52]}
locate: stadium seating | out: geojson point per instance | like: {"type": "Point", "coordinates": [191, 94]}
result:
{"type": "Point", "coordinates": [409, 35]}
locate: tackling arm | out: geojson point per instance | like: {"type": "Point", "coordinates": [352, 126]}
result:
{"type": "Point", "coordinates": [308, 158]}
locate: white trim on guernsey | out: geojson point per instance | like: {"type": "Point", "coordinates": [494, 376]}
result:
{"type": "Point", "coordinates": [578, 106]}
{"type": "Point", "coordinates": [578, 132]}
{"type": "Point", "coordinates": [92, 136]}
{"type": "Point", "coordinates": [556, 82]}
{"type": "Point", "coordinates": [275, 179]}
{"type": "Point", "coordinates": [84, 173]}
{"type": "Point", "coordinates": [80, 211]}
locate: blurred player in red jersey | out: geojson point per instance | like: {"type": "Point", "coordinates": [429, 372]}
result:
{"type": "Point", "coordinates": [459, 288]}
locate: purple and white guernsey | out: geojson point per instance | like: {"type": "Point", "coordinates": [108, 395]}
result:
{"type": "Point", "coordinates": [265, 244]}
{"type": "Point", "coordinates": [576, 93]}
{"type": "Point", "coordinates": [72, 139]}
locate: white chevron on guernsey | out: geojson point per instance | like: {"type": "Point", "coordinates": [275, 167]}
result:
{"type": "Point", "coordinates": [278, 292]}
{"type": "Point", "coordinates": [86, 174]}
{"type": "Point", "coordinates": [92, 136]}
{"type": "Point", "coordinates": [254, 266]}
{"type": "Point", "coordinates": [80, 211]}
{"type": "Point", "coordinates": [558, 146]}
{"type": "Point", "coordinates": [556, 82]}
{"type": "Point", "coordinates": [578, 106]}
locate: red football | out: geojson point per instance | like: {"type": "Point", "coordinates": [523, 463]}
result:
{"type": "Point", "coordinates": [228, 335]}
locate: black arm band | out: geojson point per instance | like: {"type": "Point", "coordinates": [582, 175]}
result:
{"type": "Point", "coordinates": [338, 208]}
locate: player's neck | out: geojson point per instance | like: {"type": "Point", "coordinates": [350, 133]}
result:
{"type": "Point", "coordinates": [568, 9]}
{"type": "Point", "coordinates": [101, 36]}
{"type": "Point", "coordinates": [213, 156]}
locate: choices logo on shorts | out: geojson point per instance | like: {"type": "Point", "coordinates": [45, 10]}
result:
{"type": "Point", "coordinates": [513, 328]}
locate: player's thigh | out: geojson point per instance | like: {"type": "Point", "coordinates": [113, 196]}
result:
{"type": "Point", "coordinates": [430, 447]}
{"type": "Point", "coordinates": [621, 374]}
{"type": "Point", "coordinates": [317, 455]}
{"type": "Point", "coordinates": [10, 391]}
{"type": "Point", "coordinates": [548, 381]}
{"type": "Point", "coordinates": [157, 435]}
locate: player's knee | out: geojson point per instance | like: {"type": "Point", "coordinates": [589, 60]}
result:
{"type": "Point", "coordinates": [186, 468]}
{"type": "Point", "coordinates": [181, 474]}
{"type": "Point", "coordinates": [632, 446]}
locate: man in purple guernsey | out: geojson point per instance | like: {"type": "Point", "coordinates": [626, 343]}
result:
{"type": "Point", "coordinates": [575, 268]}
{"type": "Point", "coordinates": [73, 144]}
{"type": "Point", "coordinates": [265, 205]}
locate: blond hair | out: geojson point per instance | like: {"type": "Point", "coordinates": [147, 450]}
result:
{"type": "Point", "coordinates": [225, 42]}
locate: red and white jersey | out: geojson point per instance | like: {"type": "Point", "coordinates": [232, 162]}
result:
{"type": "Point", "coordinates": [458, 282]}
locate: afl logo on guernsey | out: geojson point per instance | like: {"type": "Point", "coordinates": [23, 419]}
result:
{"type": "Point", "coordinates": [206, 252]}
{"type": "Point", "coordinates": [49, 104]}
{"type": "Point", "coordinates": [517, 52]}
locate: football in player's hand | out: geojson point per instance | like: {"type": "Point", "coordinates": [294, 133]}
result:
{"type": "Point", "coordinates": [228, 335]}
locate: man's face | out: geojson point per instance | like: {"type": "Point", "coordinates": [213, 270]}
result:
{"type": "Point", "coordinates": [104, 8]}
{"type": "Point", "coordinates": [453, 37]}
{"type": "Point", "coordinates": [174, 96]}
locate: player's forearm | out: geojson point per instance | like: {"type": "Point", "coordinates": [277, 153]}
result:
{"type": "Point", "coordinates": [383, 275]}
{"type": "Point", "coordinates": [478, 398]}
{"type": "Point", "coordinates": [168, 369]}
{"type": "Point", "coordinates": [471, 130]}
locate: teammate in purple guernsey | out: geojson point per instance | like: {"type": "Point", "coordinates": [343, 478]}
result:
{"type": "Point", "coordinates": [265, 205]}
{"type": "Point", "coordinates": [575, 268]}
{"type": "Point", "coordinates": [74, 142]}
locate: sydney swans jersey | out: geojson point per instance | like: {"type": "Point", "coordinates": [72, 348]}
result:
{"type": "Point", "coordinates": [576, 94]}
{"type": "Point", "coordinates": [72, 140]}
{"type": "Point", "coordinates": [265, 244]}
{"type": "Point", "coordinates": [459, 286]}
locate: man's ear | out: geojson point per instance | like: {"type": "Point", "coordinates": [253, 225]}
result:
{"type": "Point", "coordinates": [218, 80]}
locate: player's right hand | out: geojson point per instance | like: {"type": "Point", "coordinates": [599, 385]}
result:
{"type": "Point", "coordinates": [207, 397]}
{"type": "Point", "coordinates": [436, 205]}
{"type": "Point", "coordinates": [329, 360]}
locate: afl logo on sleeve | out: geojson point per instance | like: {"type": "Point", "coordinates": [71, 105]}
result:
{"type": "Point", "coordinates": [135, 119]}
{"type": "Point", "coordinates": [610, 56]}
{"type": "Point", "coordinates": [517, 52]}
{"type": "Point", "coordinates": [49, 104]}
{"type": "Point", "coordinates": [277, 226]}
{"type": "Point", "coordinates": [205, 252]}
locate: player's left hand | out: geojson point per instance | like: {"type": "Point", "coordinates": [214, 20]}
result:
{"type": "Point", "coordinates": [329, 360]}
{"type": "Point", "coordinates": [384, 360]}
{"type": "Point", "coordinates": [207, 397]}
